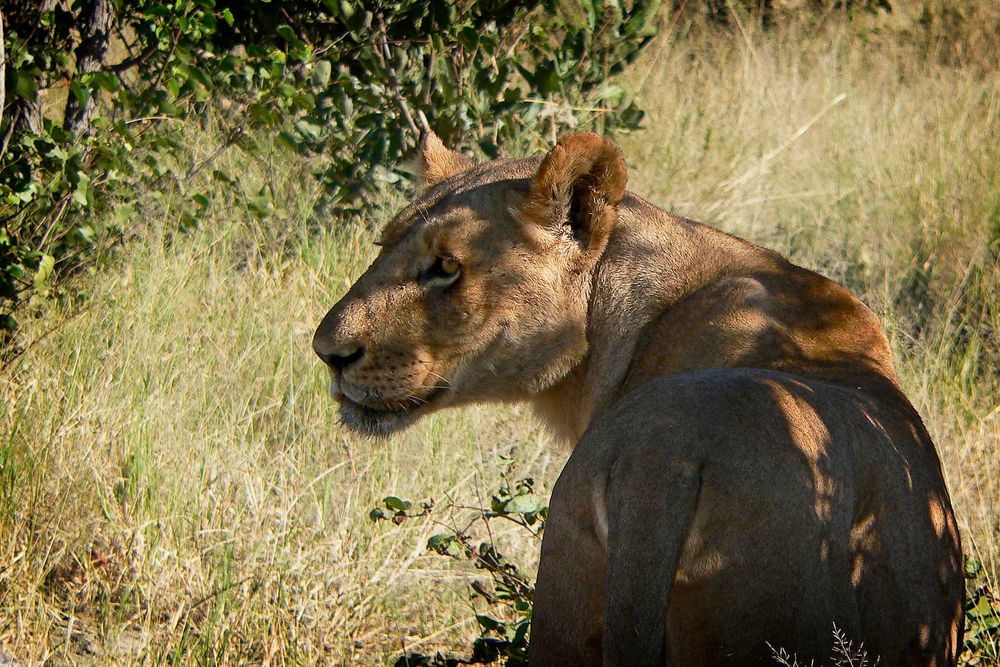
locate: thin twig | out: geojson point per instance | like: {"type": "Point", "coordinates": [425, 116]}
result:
{"type": "Point", "coordinates": [10, 131]}
{"type": "Point", "coordinates": [536, 100]}
{"type": "Point", "coordinates": [436, 634]}
{"type": "Point", "coordinates": [773, 153]}
{"type": "Point", "coordinates": [394, 79]}
{"type": "Point", "coordinates": [223, 147]}
{"type": "Point", "coordinates": [51, 330]}
{"type": "Point", "coordinates": [221, 590]}
{"type": "Point", "coordinates": [129, 63]}
{"type": "Point", "coordinates": [146, 119]}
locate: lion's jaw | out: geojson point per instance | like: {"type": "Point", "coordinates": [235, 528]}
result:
{"type": "Point", "coordinates": [375, 402]}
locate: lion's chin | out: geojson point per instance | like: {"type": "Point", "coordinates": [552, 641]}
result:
{"type": "Point", "coordinates": [369, 421]}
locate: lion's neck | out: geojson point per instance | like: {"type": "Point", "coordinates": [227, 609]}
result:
{"type": "Point", "coordinates": [670, 296]}
{"type": "Point", "coordinates": [653, 260]}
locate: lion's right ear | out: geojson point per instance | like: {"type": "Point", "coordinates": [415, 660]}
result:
{"type": "Point", "coordinates": [436, 162]}
{"type": "Point", "coordinates": [577, 190]}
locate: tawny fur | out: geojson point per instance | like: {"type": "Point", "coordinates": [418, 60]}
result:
{"type": "Point", "coordinates": [746, 472]}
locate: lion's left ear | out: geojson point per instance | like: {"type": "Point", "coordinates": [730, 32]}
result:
{"type": "Point", "coordinates": [436, 162]}
{"type": "Point", "coordinates": [578, 185]}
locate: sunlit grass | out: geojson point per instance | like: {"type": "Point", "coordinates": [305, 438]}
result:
{"type": "Point", "coordinates": [176, 483]}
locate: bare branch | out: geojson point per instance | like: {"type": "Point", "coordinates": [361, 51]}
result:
{"type": "Point", "coordinates": [386, 58]}
{"type": "Point", "coordinates": [129, 63]}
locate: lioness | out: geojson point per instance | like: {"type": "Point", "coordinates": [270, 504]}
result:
{"type": "Point", "coordinates": [747, 471]}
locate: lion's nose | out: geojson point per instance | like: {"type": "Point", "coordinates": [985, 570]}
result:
{"type": "Point", "coordinates": [337, 340]}
{"type": "Point", "coordinates": [337, 359]}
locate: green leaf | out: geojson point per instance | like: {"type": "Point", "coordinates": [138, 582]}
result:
{"type": "Point", "coordinates": [359, 22]}
{"type": "Point", "coordinates": [104, 80]}
{"type": "Point", "coordinates": [44, 272]}
{"type": "Point", "coordinates": [81, 194]}
{"type": "Point", "coordinates": [157, 11]}
{"type": "Point", "coordinates": [445, 544]}
{"type": "Point", "coordinates": [80, 92]}
{"type": "Point", "coordinates": [489, 623]}
{"type": "Point", "coordinates": [528, 503]}
{"type": "Point", "coordinates": [289, 140]}
{"type": "Point", "coordinates": [174, 86]}
{"type": "Point", "coordinates": [398, 504]}
{"type": "Point", "coordinates": [982, 608]}
{"type": "Point", "coordinates": [7, 322]}
{"type": "Point", "coordinates": [468, 38]}
{"type": "Point", "coordinates": [83, 233]}
{"type": "Point", "coordinates": [320, 75]}
{"type": "Point", "coordinates": [199, 75]}
{"type": "Point", "coordinates": [521, 634]}
{"type": "Point", "coordinates": [285, 32]}
{"type": "Point", "coordinates": [189, 222]}
{"type": "Point", "coordinates": [24, 86]}
{"type": "Point", "coordinates": [307, 129]}
{"type": "Point", "coordinates": [439, 540]}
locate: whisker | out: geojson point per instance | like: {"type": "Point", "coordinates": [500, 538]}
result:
{"type": "Point", "coordinates": [446, 381]}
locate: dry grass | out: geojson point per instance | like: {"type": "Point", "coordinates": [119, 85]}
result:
{"type": "Point", "coordinates": [173, 483]}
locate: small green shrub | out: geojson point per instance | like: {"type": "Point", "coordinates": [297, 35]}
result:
{"type": "Point", "coordinates": [982, 619]}
{"type": "Point", "coordinates": [503, 635]}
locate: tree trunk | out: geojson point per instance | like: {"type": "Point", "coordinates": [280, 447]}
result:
{"type": "Point", "coordinates": [95, 29]}
{"type": "Point", "coordinates": [3, 85]}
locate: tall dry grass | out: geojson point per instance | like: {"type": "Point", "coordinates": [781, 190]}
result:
{"type": "Point", "coordinates": [174, 486]}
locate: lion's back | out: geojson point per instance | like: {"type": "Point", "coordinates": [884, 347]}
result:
{"type": "Point", "coordinates": [822, 504]}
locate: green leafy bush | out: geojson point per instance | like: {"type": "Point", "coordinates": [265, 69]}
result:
{"type": "Point", "coordinates": [982, 618]}
{"type": "Point", "coordinates": [99, 89]}
{"type": "Point", "coordinates": [503, 633]}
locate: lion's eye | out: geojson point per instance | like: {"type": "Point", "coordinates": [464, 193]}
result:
{"type": "Point", "coordinates": [443, 272]}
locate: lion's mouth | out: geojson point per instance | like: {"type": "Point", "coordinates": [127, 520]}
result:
{"type": "Point", "coordinates": [385, 417]}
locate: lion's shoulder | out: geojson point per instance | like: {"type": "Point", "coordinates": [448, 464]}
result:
{"type": "Point", "coordinates": [767, 314]}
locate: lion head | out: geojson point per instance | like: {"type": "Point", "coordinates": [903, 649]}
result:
{"type": "Point", "coordinates": [480, 290]}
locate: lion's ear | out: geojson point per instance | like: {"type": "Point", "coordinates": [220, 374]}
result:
{"type": "Point", "coordinates": [436, 162]}
{"type": "Point", "coordinates": [579, 185]}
